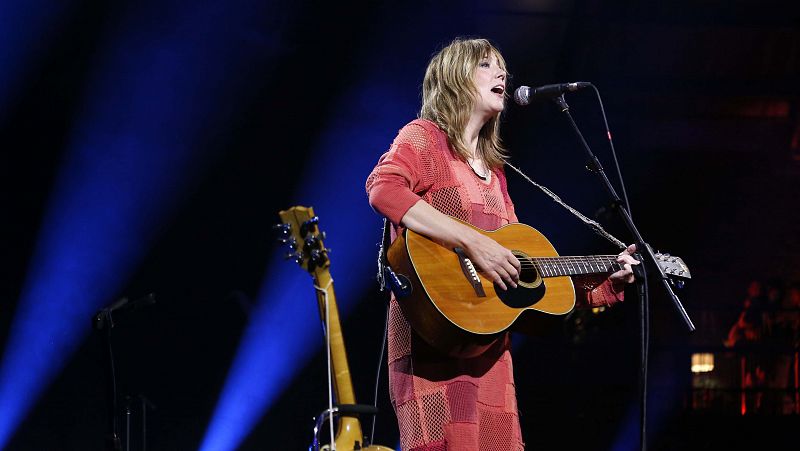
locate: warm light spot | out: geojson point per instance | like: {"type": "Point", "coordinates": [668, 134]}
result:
{"type": "Point", "coordinates": [702, 362]}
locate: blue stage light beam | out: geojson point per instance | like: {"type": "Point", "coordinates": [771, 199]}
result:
{"type": "Point", "coordinates": [26, 28]}
{"type": "Point", "coordinates": [284, 330]}
{"type": "Point", "coordinates": [659, 407]}
{"type": "Point", "coordinates": [166, 84]}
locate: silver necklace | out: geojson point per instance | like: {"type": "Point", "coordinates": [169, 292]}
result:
{"type": "Point", "coordinates": [480, 176]}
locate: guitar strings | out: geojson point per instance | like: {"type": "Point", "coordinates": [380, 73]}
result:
{"type": "Point", "coordinates": [562, 263]}
{"type": "Point", "coordinates": [567, 258]}
{"type": "Point", "coordinates": [565, 261]}
{"type": "Point", "coordinates": [555, 266]}
{"type": "Point", "coordinates": [324, 292]}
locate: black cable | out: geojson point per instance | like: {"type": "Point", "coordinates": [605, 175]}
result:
{"type": "Point", "coordinates": [645, 354]}
{"type": "Point", "coordinates": [613, 151]}
{"type": "Point", "coordinates": [644, 317]}
{"type": "Point", "coordinates": [378, 372]}
{"type": "Point", "coordinates": [644, 312]}
{"type": "Point", "coordinates": [383, 270]}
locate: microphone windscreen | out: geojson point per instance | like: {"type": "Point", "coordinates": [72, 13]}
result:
{"type": "Point", "coordinates": [522, 95]}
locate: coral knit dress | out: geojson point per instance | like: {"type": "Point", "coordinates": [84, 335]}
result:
{"type": "Point", "coordinates": [442, 402]}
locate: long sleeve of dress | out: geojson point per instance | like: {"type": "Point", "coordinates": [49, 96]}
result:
{"type": "Point", "coordinates": [597, 291]}
{"type": "Point", "coordinates": [395, 182]}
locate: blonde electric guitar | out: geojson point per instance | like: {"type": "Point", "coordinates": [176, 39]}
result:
{"type": "Point", "coordinates": [300, 232]}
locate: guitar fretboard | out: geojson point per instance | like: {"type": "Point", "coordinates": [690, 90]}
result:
{"type": "Point", "coordinates": [570, 266]}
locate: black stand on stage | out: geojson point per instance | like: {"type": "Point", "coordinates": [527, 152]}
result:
{"type": "Point", "coordinates": [103, 320]}
{"type": "Point", "coordinates": [144, 405]}
{"type": "Point", "coordinates": [648, 260]}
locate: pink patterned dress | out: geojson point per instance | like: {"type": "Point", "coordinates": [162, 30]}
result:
{"type": "Point", "coordinates": [441, 402]}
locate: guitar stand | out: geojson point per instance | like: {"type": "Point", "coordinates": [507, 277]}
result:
{"type": "Point", "coordinates": [345, 410]}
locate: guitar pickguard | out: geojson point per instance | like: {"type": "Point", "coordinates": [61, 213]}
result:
{"type": "Point", "coordinates": [529, 290]}
{"type": "Point", "coordinates": [522, 296]}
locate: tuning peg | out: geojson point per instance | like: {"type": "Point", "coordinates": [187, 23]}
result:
{"type": "Point", "coordinates": [318, 257]}
{"type": "Point", "coordinates": [312, 241]}
{"type": "Point", "coordinates": [282, 228]}
{"type": "Point", "coordinates": [290, 242]}
{"type": "Point", "coordinates": [296, 256]}
{"type": "Point", "coordinates": [308, 225]}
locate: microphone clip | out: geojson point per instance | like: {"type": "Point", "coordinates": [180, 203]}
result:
{"type": "Point", "coordinates": [562, 103]}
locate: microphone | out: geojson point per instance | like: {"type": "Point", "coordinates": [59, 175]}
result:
{"type": "Point", "coordinates": [102, 318]}
{"type": "Point", "coordinates": [525, 94]}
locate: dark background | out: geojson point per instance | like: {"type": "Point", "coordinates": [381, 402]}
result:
{"type": "Point", "coordinates": [704, 104]}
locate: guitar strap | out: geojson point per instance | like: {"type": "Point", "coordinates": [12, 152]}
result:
{"type": "Point", "coordinates": [384, 271]}
{"type": "Point", "coordinates": [598, 229]}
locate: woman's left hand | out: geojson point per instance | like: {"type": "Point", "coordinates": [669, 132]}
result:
{"type": "Point", "coordinates": [625, 275]}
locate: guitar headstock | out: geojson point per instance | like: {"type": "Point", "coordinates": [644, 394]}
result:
{"type": "Point", "coordinates": [299, 231]}
{"type": "Point", "coordinates": [673, 266]}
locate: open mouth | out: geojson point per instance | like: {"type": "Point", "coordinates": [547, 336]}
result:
{"type": "Point", "coordinates": [499, 89]}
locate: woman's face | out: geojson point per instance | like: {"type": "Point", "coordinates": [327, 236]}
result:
{"type": "Point", "coordinates": [490, 83]}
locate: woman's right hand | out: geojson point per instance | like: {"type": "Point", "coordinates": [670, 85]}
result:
{"type": "Point", "coordinates": [496, 262]}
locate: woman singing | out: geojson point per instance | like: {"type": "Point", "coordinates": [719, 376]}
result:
{"type": "Point", "coordinates": [449, 163]}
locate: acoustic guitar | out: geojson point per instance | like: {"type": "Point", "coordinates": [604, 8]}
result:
{"type": "Point", "coordinates": [457, 311]}
{"type": "Point", "coordinates": [300, 232]}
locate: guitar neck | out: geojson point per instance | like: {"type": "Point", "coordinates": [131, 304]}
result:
{"type": "Point", "coordinates": [342, 383]}
{"type": "Point", "coordinates": [349, 429]}
{"type": "Point", "coordinates": [572, 266]}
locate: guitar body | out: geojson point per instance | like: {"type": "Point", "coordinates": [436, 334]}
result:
{"type": "Point", "coordinates": [449, 312]}
{"type": "Point", "coordinates": [365, 448]}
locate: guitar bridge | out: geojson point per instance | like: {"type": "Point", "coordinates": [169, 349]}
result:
{"type": "Point", "coordinates": [469, 272]}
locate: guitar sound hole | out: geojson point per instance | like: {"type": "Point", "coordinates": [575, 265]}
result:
{"type": "Point", "coordinates": [530, 288]}
{"type": "Point", "coordinates": [528, 274]}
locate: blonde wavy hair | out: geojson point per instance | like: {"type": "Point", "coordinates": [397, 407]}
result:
{"type": "Point", "coordinates": [449, 93]}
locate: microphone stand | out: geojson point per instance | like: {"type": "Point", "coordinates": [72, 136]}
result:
{"type": "Point", "coordinates": [648, 261]}
{"type": "Point", "coordinates": [104, 320]}
{"type": "Point", "coordinates": [146, 404]}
